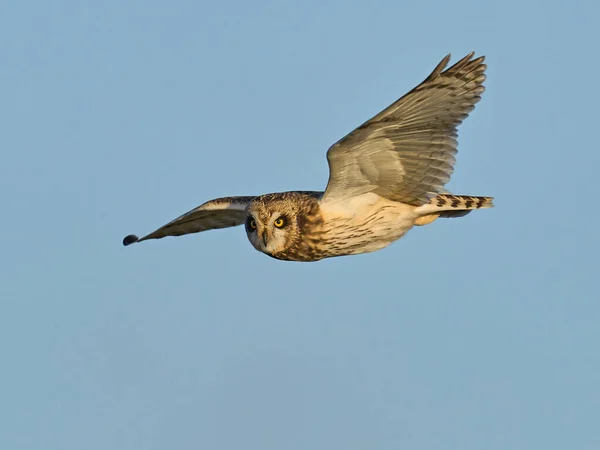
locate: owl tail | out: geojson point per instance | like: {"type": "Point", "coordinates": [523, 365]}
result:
{"type": "Point", "coordinates": [448, 205]}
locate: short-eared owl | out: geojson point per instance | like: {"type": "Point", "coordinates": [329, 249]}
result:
{"type": "Point", "coordinates": [385, 177]}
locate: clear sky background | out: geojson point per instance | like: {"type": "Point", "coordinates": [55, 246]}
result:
{"type": "Point", "coordinates": [117, 116]}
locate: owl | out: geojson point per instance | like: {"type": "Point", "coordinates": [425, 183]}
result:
{"type": "Point", "coordinates": [385, 177]}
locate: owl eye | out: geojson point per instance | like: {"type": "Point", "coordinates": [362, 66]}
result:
{"type": "Point", "coordinates": [251, 223]}
{"type": "Point", "coordinates": [279, 223]}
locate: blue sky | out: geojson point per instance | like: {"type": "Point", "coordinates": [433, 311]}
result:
{"type": "Point", "coordinates": [474, 333]}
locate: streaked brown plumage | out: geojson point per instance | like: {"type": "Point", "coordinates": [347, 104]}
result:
{"type": "Point", "coordinates": [300, 238]}
{"type": "Point", "coordinates": [386, 176]}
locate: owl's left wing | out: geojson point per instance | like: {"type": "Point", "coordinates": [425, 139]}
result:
{"type": "Point", "coordinates": [406, 152]}
{"type": "Point", "coordinates": [218, 213]}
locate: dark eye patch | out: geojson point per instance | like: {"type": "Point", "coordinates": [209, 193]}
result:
{"type": "Point", "coordinates": [250, 224]}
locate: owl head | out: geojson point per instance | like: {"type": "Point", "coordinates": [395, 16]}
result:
{"type": "Point", "coordinates": [279, 224]}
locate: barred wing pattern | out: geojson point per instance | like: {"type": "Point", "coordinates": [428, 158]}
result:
{"type": "Point", "coordinates": [406, 152]}
{"type": "Point", "coordinates": [218, 213]}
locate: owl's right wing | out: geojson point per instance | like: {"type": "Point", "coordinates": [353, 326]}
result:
{"type": "Point", "coordinates": [406, 152]}
{"type": "Point", "coordinates": [218, 213]}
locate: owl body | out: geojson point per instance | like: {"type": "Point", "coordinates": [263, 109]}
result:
{"type": "Point", "coordinates": [386, 176]}
{"type": "Point", "coordinates": [313, 229]}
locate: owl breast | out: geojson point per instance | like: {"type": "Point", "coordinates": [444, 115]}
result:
{"type": "Point", "coordinates": [364, 224]}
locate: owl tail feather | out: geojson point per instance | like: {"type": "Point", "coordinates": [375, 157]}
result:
{"type": "Point", "coordinates": [448, 205]}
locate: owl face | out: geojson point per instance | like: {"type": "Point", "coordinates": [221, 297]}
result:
{"type": "Point", "coordinates": [285, 225]}
{"type": "Point", "coordinates": [270, 230]}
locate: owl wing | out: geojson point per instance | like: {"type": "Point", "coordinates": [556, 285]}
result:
{"type": "Point", "coordinates": [218, 213]}
{"type": "Point", "coordinates": [406, 152]}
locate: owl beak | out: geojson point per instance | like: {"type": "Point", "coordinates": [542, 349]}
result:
{"type": "Point", "coordinates": [264, 237]}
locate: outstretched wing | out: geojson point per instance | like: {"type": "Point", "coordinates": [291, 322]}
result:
{"type": "Point", "coordinates": [218, 213]}
{"type": "Point", "coordinates": [406, 152]}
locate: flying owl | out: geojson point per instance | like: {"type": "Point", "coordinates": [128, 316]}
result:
{"type": "Point", "coordinates": [385, 177]}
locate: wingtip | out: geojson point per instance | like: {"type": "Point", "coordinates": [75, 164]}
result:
{"type": "Point", "coordinates": [439, 68]}
{"type": "Point", "coordinates": [131, 239]}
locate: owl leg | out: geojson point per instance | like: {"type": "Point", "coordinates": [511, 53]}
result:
{"type": "Point", "coordinates": [424, 220]}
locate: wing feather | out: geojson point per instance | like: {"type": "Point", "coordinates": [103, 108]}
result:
{"type": "Point", "coordinates": [218, 213]}
{"type": "Point", "coordinates": [406, 152]}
